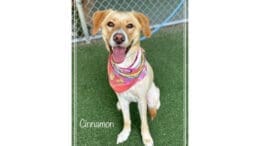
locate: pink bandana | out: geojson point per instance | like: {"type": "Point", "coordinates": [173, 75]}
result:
{"type": "Point", "coordinates": [121, 79]}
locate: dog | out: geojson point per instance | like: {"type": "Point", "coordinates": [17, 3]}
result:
{"type": "Point", "coordinates": [129, 73]}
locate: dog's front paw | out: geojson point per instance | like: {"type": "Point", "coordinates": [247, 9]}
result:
{"type": "Point", "coordinates": [122, 136]}
{"type": "Point", "coordinates": [147, 140]}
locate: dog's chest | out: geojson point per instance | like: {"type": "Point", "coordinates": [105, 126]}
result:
{"type": "Point", "coordinates": [129, 95]}
{"type": "Point", "coordinates": [136, 92]}
{"type": "Point", "coordinates": [122, 79]}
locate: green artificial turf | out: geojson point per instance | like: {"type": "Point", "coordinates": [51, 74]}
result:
{"type": "Point", "coordinates": [94, 100]}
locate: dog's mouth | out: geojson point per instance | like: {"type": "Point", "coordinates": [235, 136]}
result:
{"type": "Point", "coordinates": [118, 53]}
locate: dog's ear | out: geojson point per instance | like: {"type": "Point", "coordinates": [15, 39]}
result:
{"type": "Point", "coordinates": [97, 19]}
{"type": "Point", "coordinates": [144, 21]}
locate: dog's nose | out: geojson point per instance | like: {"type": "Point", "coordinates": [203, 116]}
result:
{"type": "Point", "coordinates": [119, 38]}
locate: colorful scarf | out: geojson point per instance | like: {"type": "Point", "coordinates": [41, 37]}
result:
{"type": "Point", "coordinates": [121, 79]}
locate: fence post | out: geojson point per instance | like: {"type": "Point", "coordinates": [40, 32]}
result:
{"type": "Point", "coordinates": [82, 20]}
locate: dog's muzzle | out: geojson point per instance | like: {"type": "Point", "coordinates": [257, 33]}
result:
{"type": "Point", "coordinates": [119, 46]}
{"type": "Point", "coordinates": [119, 38]}
{"type": "Point", "coordinates": [118, 52]}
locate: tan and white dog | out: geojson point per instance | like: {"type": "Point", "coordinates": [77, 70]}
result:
{"type": "Point", "coordinates": [130, 74]}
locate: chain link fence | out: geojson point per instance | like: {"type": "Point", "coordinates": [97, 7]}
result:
{"type": "Point", "coordinates": [161, 14]}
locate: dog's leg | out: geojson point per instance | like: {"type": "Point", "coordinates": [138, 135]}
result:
{"type": "Point", "coordinates": [153, 99]}
{"type": "Point", "coordinates": [123, 135]}
{"type": "Point", "coordinates": [118, 106]}
{"type": "Point", "coordinates": [146, 136]}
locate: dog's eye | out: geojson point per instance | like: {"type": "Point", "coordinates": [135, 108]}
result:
{"type": "Point", "coordinates": [130, 25]}
{"type": "Point", "coordinates": [110, 24]}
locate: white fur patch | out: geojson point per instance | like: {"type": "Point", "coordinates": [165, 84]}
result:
{"type": "Point", "coordinates": [153, 97]}
{"type": "Point", "coordinates": [122, 136]}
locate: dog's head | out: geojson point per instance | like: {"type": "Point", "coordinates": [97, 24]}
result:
{"type": "Point", "coordinates": [121, 31]}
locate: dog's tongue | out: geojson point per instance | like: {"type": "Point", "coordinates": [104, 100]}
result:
{"type": "Point", "coordinates": [118, 54]}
